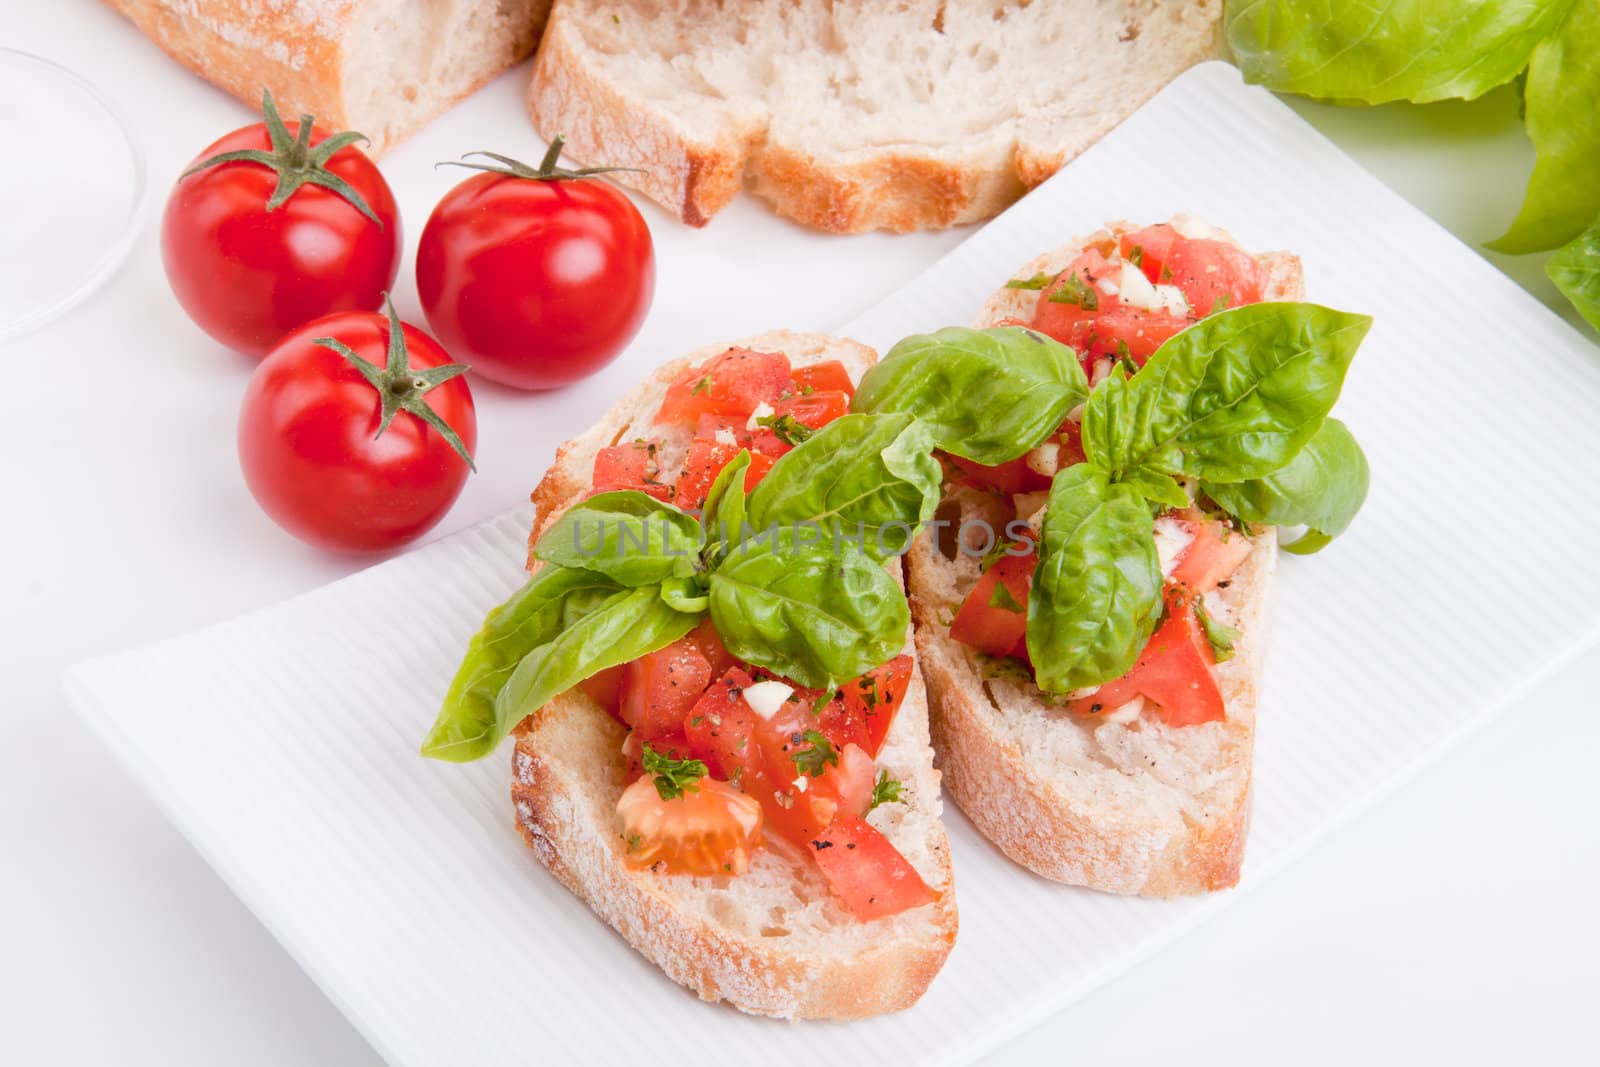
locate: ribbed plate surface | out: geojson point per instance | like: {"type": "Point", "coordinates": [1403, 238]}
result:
{"type": "Point", "coordinates": [284, 743]}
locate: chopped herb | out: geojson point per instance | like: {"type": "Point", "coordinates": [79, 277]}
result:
{"type": "Point", "coordinates": [1221, 636]}
{"type": "Point", "coordinates": [702, 386]}
{"type": "Point", "coordinates": [1000, 597]}
{"type": "Point", "coordinates": [1074, 291]}
{"type": "Point", "coordinates": [1038, 281]}
{"type": "Point", "coordinates": [1136, 257]}
{"type": "Point", "coordinates": [812, 761]}
{"type": "Point", "coordinates": [788, 429]}
{"type": "Point", "coordinates": [634, 840]}
{"type": "Point", "coordinates": [824, 698]}
{"type": "Point", "coordinates": [1003, 667]}
{"type": "Point", "coordinates": [672, 776]}
{"type": "Point", "coordinates": [886, 791]}
{"type": "Point", "coordinates": [697, 720]}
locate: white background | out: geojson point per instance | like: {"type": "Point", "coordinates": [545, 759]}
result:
{"type": "Point", "coordinates": [1454, 921]}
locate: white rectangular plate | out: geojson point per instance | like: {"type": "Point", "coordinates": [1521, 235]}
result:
{"type": "Point", "coordinates": [285, 743]}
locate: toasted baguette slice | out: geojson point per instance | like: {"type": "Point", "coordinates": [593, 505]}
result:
{"type": "Point", "coordinates": [383, 67]}
{"type": "Point", "coordinates": [773, 941]}
{"type": "Point", "coordinates": [1136, 807]}
{"type": "Point", "coordinates": [850, 115]}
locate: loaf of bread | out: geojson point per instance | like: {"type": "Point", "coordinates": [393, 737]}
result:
{"type": "Point", "coordinates": [854, 115]}
{"type": "Point", "coordinates": [383, 67]}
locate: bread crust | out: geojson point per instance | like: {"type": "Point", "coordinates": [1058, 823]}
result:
{"type": "Point", "coordinates": [563, 803]}
{"type": "Point", "coordinates": [298, 52]}
{"type": "Point", "coordinates": [1024, 807]}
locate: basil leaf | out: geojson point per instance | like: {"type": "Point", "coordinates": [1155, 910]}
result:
{"type": "Point", "coordinates": [988, 395]}
{"type": "Point", "coordinates": [868, 479]}
{"type": "Point", "coordinates": [1576, 271]}
{"type": "Point", "coordinates": [1563, 119]}
{"type": "Point", "coordinates": [554, 598]}
{"type": "Point", "coordinates": [1156, 487]}
{"type": "Point", "coordinates": [1219, 635]}
{"type": "Point", "coordinates": [1417, 50]}
{"type": "Point", "coordinates": [624, 627]}
{"type": "Point", "coordinates": [1097, 588]}
{"type": "Point", "coordinates": [810, 612]}
{"type": "Point", "coordinates": [625, 535]}
{"type": "Point", "coordinates": [1234, 396]}
{"type": "Point", "coordinates": [725, 502]}
{"type": "Point", "coordinates": [1322, 488]}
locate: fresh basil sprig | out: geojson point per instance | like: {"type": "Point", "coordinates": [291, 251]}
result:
{"type": "Point", "coordinates": [1322, 488]}
{"type": "Point", "coordinates": [791, 576]}
{"type": "Point", "coordinates": [987, 395]}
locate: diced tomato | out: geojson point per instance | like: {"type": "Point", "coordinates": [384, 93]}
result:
{"type": "Point", "coordinates": [671, 745]}
{"type": "Point", "coordinates": [760, 464]}
{"type": "Point", "coordinates": [630, 466]}
{"type": "Point", "coordinates": [1214, 275]}
{"type": "Point", "coordinates": [868, 707]}
{"type": "Point", "coordinates": [605, 689]}
{"type": "Point", "coordinates": [823, 377]}
{"type": "Point", "coordinates": [1211, 557]}
{"type": "Point", "coordinates": [701, 466]}
{"type": "Point", "coordinates": [1174, 671]}
{"type": "Point", "coordinates": [660, 687]}
{"type": "Point", "coordinates": [709, 642]}
{"type": "Point", "coordinates": [714, 427]}
{"type": "Point", "coordinates": [868, 873]}
{"type": "Point", "coordinates": [730, 384]}
{"type": "Point", "coordinates": [1013, 476]}
{"type": "Point", "coordinates": [813, 412]}
{"type": "Point", "coordinates": [711, 829]}
{"type": "Point", "coordinates": [721, 727]}
{"type": "Point", "coordinates": [1070, 437]}
{"type": "Point", "coordinates": [1148, 249]}
{"type": "Point", "coordinates": [994, 617]}
{"type": "Point", "coordinates": [1100, 324]}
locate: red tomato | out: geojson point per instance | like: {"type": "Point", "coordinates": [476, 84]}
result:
{"type": "Point", "coordinates": [1211, 557]}
{"type": "Point", "coordinates": [701, 466]}
{"type": "Point", "coordinates": [813, 411]}
{"type": "Point", "coordinates": [721, 727]}
{"type": "Point", "coordinates": [247, 273]}
{"type": "Point", "coordinates": [672, 745]}
{"type": "Point", "coordinates": [711, 829]}
{"type": "Point", "coordinates": [536, 277]}
{"type": "Point", "coordinates": [709, 642]}
{"type": "Point", "coordinates": [994, 617]}
{"type": "Point", "coordinates": [309, 443]}
{"type": "Point", "coordinates": [868, 873]}
{"type": "Point", "coordinates": [630, 466]}
{"type": "Point", "coordinates": [1149, 248]}
{"type": "Point", "coordinates": [1013, 476]}
{"type": "Point", "coordinates": [605, 689]}
{"type": "Point", "coordinates": [660, 687]}
{"type": "Point", "coordinates": [1214, 275]}
{"type": "Point", "coordinates": [733, 383]}
{"type": "Point", "coordinates": [1174, 671]}
{"type": "Point", "coordinates": [868, 706]}
{"type": "Point", "coordinates": [827, 376]}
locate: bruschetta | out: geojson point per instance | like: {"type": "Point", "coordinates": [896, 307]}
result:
{"type": "Point", "coordinates": [1125, 428]}
{"type": "Point", "coordinates": [720, 730]}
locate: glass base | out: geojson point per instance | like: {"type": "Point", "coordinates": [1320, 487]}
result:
{"type": "Point", "coordinates": [70, 195]}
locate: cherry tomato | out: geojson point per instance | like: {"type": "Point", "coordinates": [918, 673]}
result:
{"type": "Point", "coordinates": [248, 270]}
{"type": "Point", "coordinates": [310, 442]}
{"type": "Point", "coordinates": [536, 277]}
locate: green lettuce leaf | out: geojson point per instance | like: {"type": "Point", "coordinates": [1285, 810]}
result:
{"type": "Point", "coordinates": [1417, 50]}
{"type": "Point", "coordinates": [988, 395]}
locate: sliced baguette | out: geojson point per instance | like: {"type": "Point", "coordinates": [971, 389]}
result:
{"type": "Point", "coordinates": [383, 67]}
{"type": "Point", "coordinates": [1136, 807]}
{"type": "Point", "coordinates": [849, 115]}
{"type": "Point", "coordinates": [772, 941]}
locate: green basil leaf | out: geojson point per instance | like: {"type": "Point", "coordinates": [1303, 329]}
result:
{"type": "Point", "coordinates": [809, 611]}
{"type": "Point", "coordinates": [626, 535]}
{"type": "Point", "coordinates": [1321, 488]}
{"type": "Point", "coordinates": [627, 625]}
{"type": "Point", "coordinates": [1219, 635]}
{"type": "Point", "coordinates": [1417, 50]}
{"type": "Point", "coordinates": [1576, 271]}
{"type": "Point", "coordinates": [1561, 107]}
{"type": "Point", "coordinates": [1234, 396]}
{"type": "Point", "coordinates": [725, 502]}
{"type": "Point", "coordinates": [988, 395]}
{"type": "Point", "coordinates": [1097, 588]}
{"type": "Point", "coordinates": [868, 479]}
{"type": "Point", "coordinates": [553, 599]}
{"type": "Point", "coordinates": [1156, 487]}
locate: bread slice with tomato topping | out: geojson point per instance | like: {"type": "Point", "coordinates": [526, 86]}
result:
{"type": "Point", "coordinates": [1104, 789]}
{"type": "Point", "coordinates": [775, 939]}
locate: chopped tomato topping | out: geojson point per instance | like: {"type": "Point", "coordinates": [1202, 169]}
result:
{"type": "Point", "coordinates": [1214, 275]}
{"type": "Point", "coordinates": [660, 687]}
{"type": "Point", "coordinates": [701, 466]}
{"type": "Point", "coordinates": [1013, 476]}
{"type": "Point", "coordinates": [827, 376]}
{"type": "Point", "coordinates": [994, 617]}
{"type": "Point", "coordinates": [721, 727]}
{"type": "Point", "coordinates": [870, 875]}
{"type": "Point", "coordinates": [712, 828]}
{"type": "Point", "coordinates": [1148, 249]}
{"type": "Point", "coordinates": [1174, 671]}
{"type": "Point", "coordinates": [605, 689]}
{"type": "Point", "coordinates": [1212, 555]}
{"type": "Point", "coordinates": [733, 383]}
{"type": "Point", "coordinates": [630, 466]}
{"type": "Point", "coordinates": [673, 745]}
{"type": "Point", "coordinates": [813, 412]}
{"type": "Point", "coordinates": [867, 706]}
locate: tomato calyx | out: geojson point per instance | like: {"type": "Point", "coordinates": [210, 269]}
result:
{"type": "Point", "coordinates": [401, 387]}
{"type": "Point", "coordinates": [295, 161]}
{"type": "Point", "coordinates": [547, 171]}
